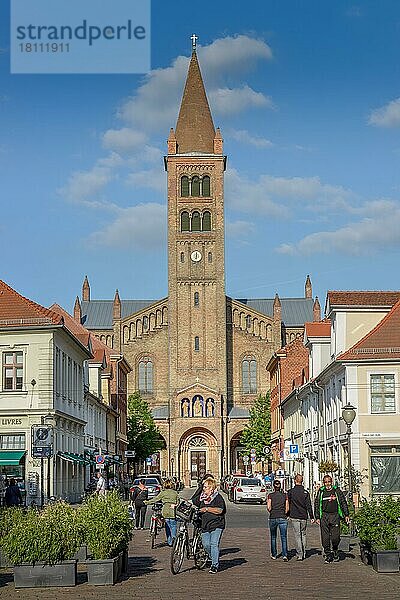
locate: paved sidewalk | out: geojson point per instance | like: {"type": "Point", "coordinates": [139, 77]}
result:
{"type": "Point", "coordinates": [247, 572]}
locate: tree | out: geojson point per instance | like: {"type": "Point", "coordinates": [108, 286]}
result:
{"type": "Point", "coordinates": [257, 433]}
{"type": "Point", "coordinates": [143, 435]}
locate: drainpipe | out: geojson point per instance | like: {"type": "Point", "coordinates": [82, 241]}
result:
{"type": "Point", "coordinates": [321, 389]}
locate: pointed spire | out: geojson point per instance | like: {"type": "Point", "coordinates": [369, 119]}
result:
{"type": "Point", "coordinates": [308, 288]}
{"type": "Point", "coordinates": [277, 308]}
{"type": "Point", "coordinates": [172, 141]}
{"type": "Point", "coordinates": [195, 129]}
{"type": "Point", "coordinates": [77, 310]}
{"type": "Point", "coordinates": [86, 290]}
{"type": "Point", "coordinates": [218, 142]}
{"type": "Point", "coordinates": [316, 310]}
{"type": "Point", "coordinates": [116, 307]}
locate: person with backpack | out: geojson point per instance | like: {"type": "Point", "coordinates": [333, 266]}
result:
{"type": "Point", "coordinates": [138, 496]}
{"type": "Point", "coordinates": [330, 506]}
{"type": "Point", "coordinates": [300, 509]}
{"type": "Point", "coordinates": [278, 508]}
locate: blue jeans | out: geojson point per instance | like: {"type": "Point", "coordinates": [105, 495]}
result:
{"type": "Point", "coordinates": [273, 527]}
{"type": "Point", "coordinates": [170, 530]}
{"type": "Point", "coordinates": [211, 541]}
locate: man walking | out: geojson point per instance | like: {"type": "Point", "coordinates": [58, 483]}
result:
{"type": "Point", "coordinates": [101, 486]}
{"type": "Point", "coordinates": [300, 509]}
{"type": "Point", "coordinates": [330, 506]}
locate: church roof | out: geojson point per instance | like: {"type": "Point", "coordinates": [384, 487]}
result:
{"type": "Point", "coordinates": [295, 311]}
{"type": "Point", "coordinates": [98, 314]}
{"type": "Point", "coordinates": [194, 129]}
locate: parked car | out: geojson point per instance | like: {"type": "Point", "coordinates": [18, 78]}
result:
{"type": "Point", "coordinates": [229, 483]}
{"type": "Point", "coordinates": [152, 483]}
{"type": "Point", "coordinates": [248, 489]}
{"type": "Point", "coordinates": [155, 475]}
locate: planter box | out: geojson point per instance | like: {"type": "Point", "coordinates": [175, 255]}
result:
{"type": "Point", "coordinates": [103, 572]}
{"type": "Point", "coordinates": [82, 554]}
{"type": "Point", "coordinates": [386, 561]}
{"type": "Point", "coordinates": [344, 544]}
{"type": "Point", "coordinates": [40, 575]}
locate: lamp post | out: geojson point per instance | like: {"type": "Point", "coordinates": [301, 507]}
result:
{"type": "Point", "coordinates": [47, 420]}
{"type": "Point", "coordinates": [349, 414]}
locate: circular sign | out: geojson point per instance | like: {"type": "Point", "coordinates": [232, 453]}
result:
{"type": "Point", "coordinates": [99, 459]}
{"type": "Point", "coordinates": [267, 450]}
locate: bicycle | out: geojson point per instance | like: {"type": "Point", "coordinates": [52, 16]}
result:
{"type": "Point", "coordinates": [183, 545]}
{"type": "Point", "coordinates": [156, 522]}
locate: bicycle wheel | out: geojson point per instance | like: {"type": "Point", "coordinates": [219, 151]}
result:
{"type": "Point", "coordinates": [177, 554]}
{"type": "Point", "coordinates": [153, 533]}
{"type": "Point", "coordinates": [199, 554]}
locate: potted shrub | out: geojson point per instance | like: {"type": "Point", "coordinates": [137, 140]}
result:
{"type": "Point", "coordinates": [8, 516]}
{"type": "Point", "coordinates": [107, 526]}
{"type": "Point", "coordinates": [378, 526]}
{"type": "Point", "coordinates": [41, 544]}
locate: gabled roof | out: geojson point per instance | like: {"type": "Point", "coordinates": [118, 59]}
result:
{"type": "Point", "coordinates": [195, 128]}
{"type": "Point", "coordinates": [18, 311]}
{"type": "Point", "coordinates": [318, 328]}
{"type": "Point", "coordinates": [98, 314]}
{"type": "Point", "coordinates": [362, 298]}
{"type": "Point", "coordinates": [382, 342]}
{"type": "Point", "coordinates": [295, 311]}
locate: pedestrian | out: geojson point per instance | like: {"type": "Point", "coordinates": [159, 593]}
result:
{"type": "Point", "coordinates": [169, 498]}
{"type": "Point", "coordinates": [300, 508]}
{"type": "Point", "coordinates": [139, 494]}
{"type": "Point", "coordinates": [196, 496]}
{"type": "Point", "coordinates": [212, 509]}
{"type": "Point", "coordinates": [330, 506]}
{"type": "Point", "coordinates": [278, 507]}
{"type": "Point", "coordinates": [101, 486]}
{"type": "Point", "coordinates": [12, 496]}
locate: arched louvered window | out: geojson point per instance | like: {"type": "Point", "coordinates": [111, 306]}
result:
{"type": "Point", "coordinates": [210, 257]}
{"type": "Point", "coordinates": [206, 220]}
{"type": "Point", "coordinates": [145, 375]}
{"type": "Point", "coordinates": [195, 186]}
{"type": "Point", "coordinates": [249, 375]}
{"type": "Point", "coordinates": [197, 343]}
{"type": "Point", "coordinates": [248, 322]}
{"type": "Point", "coordinates": [184, 186]}
{"type": "Point", "coordinates": [205, 186]}
{"type": "Point", "coordinates": [196, 225]}
{"type": "Point", "coordinates": [185, 221]}
{"type": "Point", "coordinates": [182, 257]}
{"type": "Point", "coordinates": [145, 323]}
{"type": "Point", "coordinates": [196, 299]}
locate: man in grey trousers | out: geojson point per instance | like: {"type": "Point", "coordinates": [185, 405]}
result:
{"type": "Point", "coordinates": [300, 508]}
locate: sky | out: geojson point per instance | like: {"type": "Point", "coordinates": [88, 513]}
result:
{"type": "Point", "coordinates": [307, 96]}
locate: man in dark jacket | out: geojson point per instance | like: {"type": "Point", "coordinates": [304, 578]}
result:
{"type": "Point", "coordinates": [299, 510]}
{"type": "Point", "coordinates": [329, 507]}
{"type": "Point", "coordinates": [13, 494]}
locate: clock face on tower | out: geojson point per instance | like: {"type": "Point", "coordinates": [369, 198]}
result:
{"type": "Point", "coordinates": [195, 256]}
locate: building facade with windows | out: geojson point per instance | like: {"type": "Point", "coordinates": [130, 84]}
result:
{"type": "Point", "coordinates": [198, 356]}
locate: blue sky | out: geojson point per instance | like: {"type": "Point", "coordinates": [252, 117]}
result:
{"type": "Point", "coordinates": [307, 96]}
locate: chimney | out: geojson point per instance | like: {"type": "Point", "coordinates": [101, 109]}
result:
{"type": "Point", "coordinates": [77, 311]}
{"type": "Point", "coordinates": [308, 288]}
{"type": "Point", "coordinates": [218, 142]}
{"type": "Point", "coordinates": [172, 145]}
{"type": "Point", "coordinates": [116, 307]}
{"type": "Point", "coordinates": [86, 290]}
{"type": "Point", "coordinates": [317, 310]}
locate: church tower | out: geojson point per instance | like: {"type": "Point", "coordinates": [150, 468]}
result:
{"type": "Point", "coordinates": [196, 276]}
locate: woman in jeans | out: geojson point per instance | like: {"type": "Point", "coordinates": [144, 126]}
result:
{"type": "Point", "coordinates": [278, 507]}
{"type": "Point", "coordinates": [169, 498]}
{"type": "Point", "coordinates": [212, 510]}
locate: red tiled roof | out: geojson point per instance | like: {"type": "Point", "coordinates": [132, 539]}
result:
{"type": "Point", "coordinates": [318, 328]}
{"type": "Point", "coordinates": [99, 350]}
{"type": "Point", "coordinates": [360, 298]}
{"type": "Point", "coordinates": [17, 311]}
{"type": "Point", "coordinates": [382, 342]}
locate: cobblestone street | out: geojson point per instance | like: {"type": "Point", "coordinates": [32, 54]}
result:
{"type": "Point", "coordinates": [246, 571]}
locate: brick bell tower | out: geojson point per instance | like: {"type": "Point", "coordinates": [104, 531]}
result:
{"type": "Point", "coordinates": [196, 276]}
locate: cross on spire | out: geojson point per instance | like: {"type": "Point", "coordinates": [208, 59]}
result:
{"type": "Point", "coordinates": [194, 39]}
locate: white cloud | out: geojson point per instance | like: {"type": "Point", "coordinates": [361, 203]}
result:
{"type": "Point", "coordinates": [242, 135]}
{"type": "Point", "coordinates": [123, 140]}
{"type": "Point", "coordinates": [366, 237]}
{"type": "Point", "coordinates": [83, 185]}
{"type": "Point", "coordinates": [156, 102]}
{"type": "Point", "coordinates": [152, 178]}
{"type": "Point", "coordinates": [239, 229]}
{"type": "Point", "coordinates": [386, 116]}
{"type": "Point", "coordinates": [142, 226]}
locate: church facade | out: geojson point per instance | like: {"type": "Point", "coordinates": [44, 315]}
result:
{"type": "Point", "coordinates": [198, 357]}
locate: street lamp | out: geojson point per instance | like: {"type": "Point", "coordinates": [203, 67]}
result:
{"type": "Point", "coordinates": [349, 414]}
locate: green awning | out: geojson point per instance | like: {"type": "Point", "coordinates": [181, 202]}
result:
{"type": "Point", "coordinates": [10, 457]}
{"type": "Point", "coordinates": [72, 457]}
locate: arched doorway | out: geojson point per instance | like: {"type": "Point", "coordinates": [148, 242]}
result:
{"type": "Point", "coordinates": [198, 455]}
{"type": "Point", "coordinates": [236, 451]}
